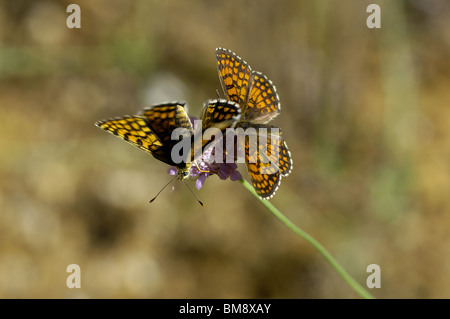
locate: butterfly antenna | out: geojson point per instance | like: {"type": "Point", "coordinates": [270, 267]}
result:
{"type": "Point", "coordinates": [203, 205]}
{"type": "Point", "coordinates": [218, 95]}
{"type": "Point", "coordinates": [151, 201]}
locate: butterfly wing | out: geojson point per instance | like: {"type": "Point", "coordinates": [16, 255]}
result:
{"type": "Point", "coordinates": [220, 114]}
{"type": "Point", "coordinates": [275, 149]}
{"type": "Point", "coordinates": [216, 117]}
{"type": "Point", "coordinates": [235, 76]}
{"type": "Point", "coordinates": [137, 131]}
{"type": "Point", "coordinates": [152, 130]}
{"type": "Point", "coordinates": [264, 177]}
{"type": "Point", "coordinates": [163, 119]}
{"type": "Point", "coordinates": [263, 103]}
{"type": "Point", "coordinates": [285, 159]}
{"type": "Point", "coordinates": [267, 158]}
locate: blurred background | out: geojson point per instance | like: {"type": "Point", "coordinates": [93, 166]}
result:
{"type": "Point", "coordinates": [363, 113]}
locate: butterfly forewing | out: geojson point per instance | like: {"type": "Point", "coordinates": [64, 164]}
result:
{"type": "Point", "coordinates": [152, 130]}
{"type": "Point", "coordinates": [235, 75]}
{"type": "Point", "coordinates": [136, 131]}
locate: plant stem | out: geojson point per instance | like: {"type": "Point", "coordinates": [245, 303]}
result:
{"type": "Point", "coordinates": [341, 271]}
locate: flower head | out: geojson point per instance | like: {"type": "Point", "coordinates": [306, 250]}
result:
{"type": "Point", "coordinates": [206, 165]}
{"type": "Point", "coordinates": [208, 168]}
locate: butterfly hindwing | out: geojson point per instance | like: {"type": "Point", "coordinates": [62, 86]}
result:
{"type": "Point", "coordinates": [265, 177]}
{"type": "Point", "coordinates": [220, 114]}
{"type": "Point", "coordinates": [285, 160]}
{"type": "Point", "coordinates": [266, 156]}
{"type": "Point", "coordinates": [268, 159]}
{"type": "Point", "coordinates": [216, 117]}
{"type": "Point", "coordinates": [165, 118]}
{"type": "Point", "coordinates": [263, 103]}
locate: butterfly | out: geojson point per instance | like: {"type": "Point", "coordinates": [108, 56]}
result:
{"type": "Point", "coordinates": [158, 130]}
{"type": "Point", "coordinates": [267, 157]}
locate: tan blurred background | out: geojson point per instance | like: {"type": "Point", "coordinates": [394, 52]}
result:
{"type": "Point", "coordinates": [364, 112]}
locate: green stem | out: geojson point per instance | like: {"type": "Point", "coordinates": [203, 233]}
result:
{"type": "Point", "coordinates": [341, 271]}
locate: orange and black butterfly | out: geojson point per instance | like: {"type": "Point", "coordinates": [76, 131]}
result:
{"type": "Point", "coordinates": [267, 156]}
{"type": "Point", "coordinates": [152, 130]}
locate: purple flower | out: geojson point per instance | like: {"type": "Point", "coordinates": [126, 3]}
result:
{"type": "Point", "coordinates": [208, 166]}
{"type": "Point", "coordinates": [172, 170]}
